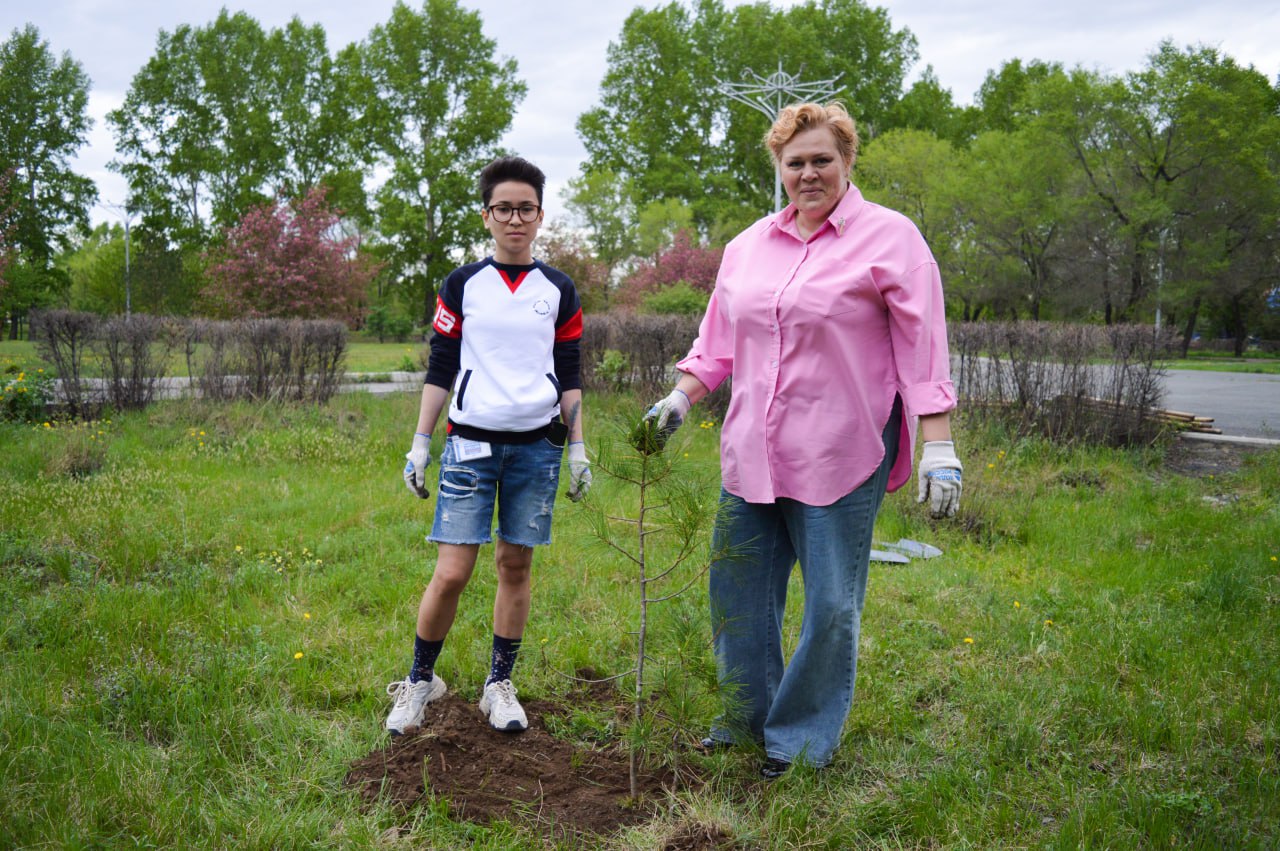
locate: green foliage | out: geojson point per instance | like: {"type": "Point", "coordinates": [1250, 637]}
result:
{"type": "Point", "coordinates": [434, 101]}
{"type": "Point", "coordinates": [44, 121]}
{"type": "Point", "coordinates": [24, 395]}
{"type": "Point", "coordinates": [613, 368]}
{"type": "Point", "coordinates": [389, 320]}
{"type": "Point", "coordinates": [679, 298]}
{"type": "Point", "coordinates": [226, 116]}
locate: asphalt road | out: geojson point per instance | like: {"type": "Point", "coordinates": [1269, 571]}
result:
{"type": "Point", "coordinates": [1241, 404]}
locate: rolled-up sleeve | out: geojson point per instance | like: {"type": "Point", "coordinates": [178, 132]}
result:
{"type": "Point", "coordinates": [918, 334]}
{"type": "Point", "coordinates": [710, 358]}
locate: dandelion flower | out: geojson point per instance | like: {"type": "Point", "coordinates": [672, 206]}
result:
{"type": "Point", "coordinates": [298, 655]}
{"type": "Point", "coordinates": [968, 640]}
{"type": "Point", "coordinates": [1048, 623]}
{"type": "Point", "coordinates": [239, 548]}
{"type": "Point", "coordinates": [991, 466]}
{"type": "Point", "coordinates": [306, 616]}
{"type": "Point", "coordinates": [1273, 558]}
{"type": "Point", "coordinates": [1017, 605]}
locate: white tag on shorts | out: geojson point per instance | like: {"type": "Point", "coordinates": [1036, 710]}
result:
{"type": "Point", "coordinates": [470, 450]}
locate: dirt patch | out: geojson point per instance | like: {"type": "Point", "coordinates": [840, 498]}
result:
{"type": "Point", "coordinates": [532, 777]}
{"type": "Point", "coordinates": [1205, 458]}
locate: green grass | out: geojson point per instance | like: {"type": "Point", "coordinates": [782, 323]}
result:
{"type": "Point", "coordinates": [1253, 364]}
{"type": "Point", "coordinates": [160, 572]}
{"type": "Point", "coordinates": [361, 357]}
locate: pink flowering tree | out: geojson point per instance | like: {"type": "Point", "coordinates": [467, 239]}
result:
{"type": "Point", "coordinates": [683, 262]}
{"type": "Point", "coordinates": [288, 259]}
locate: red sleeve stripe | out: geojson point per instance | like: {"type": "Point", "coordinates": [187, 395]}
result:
{"type": "Point", "coordinates": [449, 323]}
{"type": "Point", "coordinates": [571, 330]}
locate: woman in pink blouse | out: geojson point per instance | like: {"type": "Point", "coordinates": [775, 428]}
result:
{"type": "Point", "coordinates": [829, 318]}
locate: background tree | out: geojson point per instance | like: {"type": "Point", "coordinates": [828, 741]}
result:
{"type": "Point", "coordinates": [664, 133]}
{"type": "Point", "coordinates": [43, 122]}
{"type": "Point", "coordinates": [434, 103]}
{"type": "Point", "coordinates": [96, 268]}
{"type": "Point", "coordinates": [228, 115]}
{"type": "Point", "coordinates": [568, 251]}
{"type": "Point", "coordinates": [8, 210]}
{"type": "Point", "coordinates": [601, 203]}
{"type": "Point", "coordinates": [684, 263]}
{"type": "Point", "coordinates": [288, 260]}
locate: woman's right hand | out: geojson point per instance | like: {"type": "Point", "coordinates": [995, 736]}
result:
{"type": "Point", "coordinates": [661, 421]}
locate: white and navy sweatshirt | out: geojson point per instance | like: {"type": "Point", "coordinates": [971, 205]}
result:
{"type": "Point", "coordinates": [506, 341]}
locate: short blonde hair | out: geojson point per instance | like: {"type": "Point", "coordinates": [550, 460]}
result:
{"type": "Point", "coordinates": [805, 116]}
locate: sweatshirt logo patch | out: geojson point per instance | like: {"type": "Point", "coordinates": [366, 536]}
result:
{"type": "Point", "coordinates": [542, 307]}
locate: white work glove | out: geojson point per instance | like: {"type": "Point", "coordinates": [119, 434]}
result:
{"type": "Point", "coordinates": [668, 413]}
{"type": "Point", "coordinates": [418, 459]}
{"type": "Point", "coordinates": [579, 471]}
{"type": "Point", "coordinates": [940, 478]}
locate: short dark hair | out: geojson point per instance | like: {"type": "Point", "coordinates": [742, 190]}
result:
{"type": "Point", "coordinates": [504, 169]}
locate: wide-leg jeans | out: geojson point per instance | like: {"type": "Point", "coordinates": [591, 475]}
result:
{"type": "Point", "coordinates": [797, 710]}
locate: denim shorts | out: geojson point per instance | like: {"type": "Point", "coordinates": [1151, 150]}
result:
{"type": "Point", "coordinates": [520, 478]}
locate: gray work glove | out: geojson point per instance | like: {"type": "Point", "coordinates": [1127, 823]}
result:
{"type": "Point", "coordinates": [667, 414]}
{"type": "Point", "coordinates": [940, 478]}
{"type": "Point", "coordinates": [417, 460]}
{"type": "Point", "coordinates": [579, 471]}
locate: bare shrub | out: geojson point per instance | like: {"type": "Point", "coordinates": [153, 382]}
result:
{"type": "Point", "coordinates": [638, 352]}
{"type": "Point", "coordinates": [285, 359]}
{"type": "Point", "coordinates": [63, 338]}
{"type": "Point", "coordinates": [1067, 382]}
{"type": "Point", "coordinates": [134, 353]}
{"type": "Point", "coordinates": [215, 378]}
{"type": "Point", "coordinates": [316, 351]}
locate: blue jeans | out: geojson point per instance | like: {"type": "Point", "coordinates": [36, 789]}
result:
{"type": "Point", "coordinates": [520, 478]}
{"type": "Point", "coordinates": [796, 710]}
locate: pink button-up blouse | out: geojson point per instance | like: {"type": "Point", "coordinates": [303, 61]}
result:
{"type": "Point", "coordinates": [819, 337]}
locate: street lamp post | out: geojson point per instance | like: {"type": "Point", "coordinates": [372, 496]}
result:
{"type": "Point", "coordinates": [769, 95]}
{"type": "Point", "coordinates": [126, 215]}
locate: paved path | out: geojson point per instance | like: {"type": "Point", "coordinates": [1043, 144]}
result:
{"type": "Point", "coordinates": [1241, 404]}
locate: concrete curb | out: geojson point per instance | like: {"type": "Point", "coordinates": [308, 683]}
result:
{"type": "Point", "coordinates": [1261, 442]}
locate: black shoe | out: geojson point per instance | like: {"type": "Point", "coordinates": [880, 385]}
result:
{"type": "Point", "coordinates": [772, 768]}
{"type": "Point", "coordinates": [710, 745]}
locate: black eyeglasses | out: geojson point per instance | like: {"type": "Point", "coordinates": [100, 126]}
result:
{"type": "Point", "coordinates": [503, 212]}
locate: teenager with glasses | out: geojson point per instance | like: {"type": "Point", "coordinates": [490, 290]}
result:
{"type": "Point", "coordinates": [505, 356]}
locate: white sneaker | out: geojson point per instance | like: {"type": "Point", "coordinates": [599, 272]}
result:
{"type": "Point", "coordinates": [504, 711]}
{"type": "Point", "coordinates": [411, 699]}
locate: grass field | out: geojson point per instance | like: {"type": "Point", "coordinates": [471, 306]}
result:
{"type": "Point", "coordinates": [200, 607]}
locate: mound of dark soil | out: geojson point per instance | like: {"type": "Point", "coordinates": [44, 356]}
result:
{"type": "Point", "coordinates": [530, 777]}
{"type": "Point", "coordinates": [1204, 458]}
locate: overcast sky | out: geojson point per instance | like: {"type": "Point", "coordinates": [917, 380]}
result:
{"type": "Point", "coordinates": [560, 48]}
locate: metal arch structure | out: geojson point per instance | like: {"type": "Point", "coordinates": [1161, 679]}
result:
{"type": "Point", "coordinates": [770, 94]}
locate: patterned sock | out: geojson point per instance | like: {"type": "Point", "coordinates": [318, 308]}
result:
{"type": "Point", "coordinates": [503, 659]}
{"type": "Point", "coordinates": [425, 654]}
